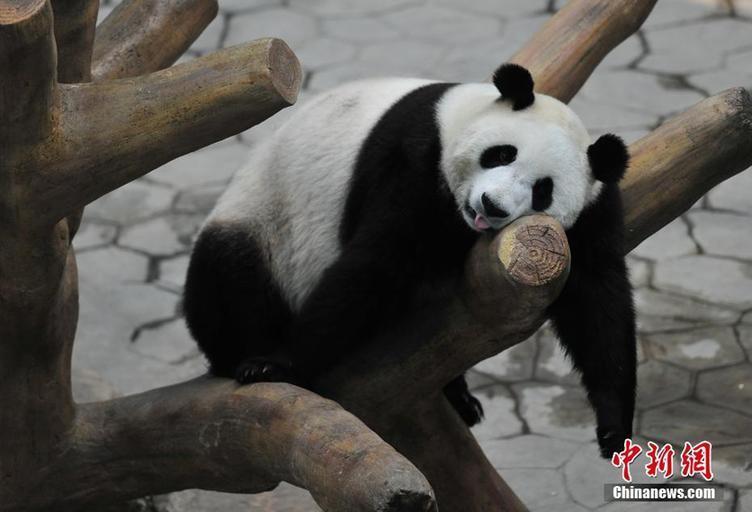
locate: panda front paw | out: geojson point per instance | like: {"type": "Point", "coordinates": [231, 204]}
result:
{"type": "Point", "coordinates": [611, 440]}
{"type": "Point", "coordinates": [265, 369]}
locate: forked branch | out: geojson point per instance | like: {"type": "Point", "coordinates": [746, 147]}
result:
{"type": "Point", "coordinates": [112, 132]}
{"type": "Point", "coordinates": [565, 52]}
{"type": "Point", "coordinates": [140, 36]}
{"type": "Point", "coordinates": [212, 433]}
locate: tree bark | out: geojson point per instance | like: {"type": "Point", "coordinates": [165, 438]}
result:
{"type": "Point", "coordinates": [146, 35]}
{"type": "Point", "coordinates": [672, 167]}
{"type": "Point", "coordinates": [566, 51]}
{"type": "Point", "coordinates": [212, 433]}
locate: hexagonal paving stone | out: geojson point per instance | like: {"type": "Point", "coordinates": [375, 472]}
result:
{"type": "Point", "coordinates": [395, 58]}
{"type": "Point", "coordinates": [130, 203]}
{"type": "Point", "coordinates": [442, 24]}
{"type": "Point", "coordinates": [701, 46]}
{"type": "Point", "coordinates": [215, 163]}
{"type": "Point", "coordinates": [745, 337]}
{"type": "Point", "coordinates": [513, 364]}
{"type": "Point", "coordinates": [293, 26]}
{"type": "Point", "coordinates": [679, 12]}
{"type": "Point", "coordinates": [654, 304]}
{"type": "Point", "coordinates": [638, 91]}
{"type": "Point", "coordinates": [659, 383]}
{"type": "Point", "coordinates": [692, 421]}
{"type": "Point", "coordinates": [733, 465]}
{"type": "Point", "coordinates": [323, 52]}
{"type": "Point", "coordinates": [600, 116]}
{"type": "Point", "coordinates": [500, 417]}
{"type": "Point", "coordinates": [730, 386]}
{"type": "Point", "coordinates": [200, 199]}
{"type": "Point", "coordinates": [553, 364]}
{"type": "Point", "coordinates": [172, 272]}
{"type": "Point", "coordinates": [710, 279]}
{"type": "Point", "coordinates": [359, 30]}
{"type": "Point", "coordinates": [736, 72]}
{"type": "Point", "coordinates": [89, 386]}
{"type": "Point", "coordinates": [154, 237]}
{"type": "Point", "coordinates": [539, 489]}
{"type": "Point", "coordinates": [332, 8]}
{"type": "Point", "coordinates": [671, 241]}
{"type": "Point", "coordinates": [211, 38]}
{"type": "Point", "coordinates": [477, 60]}
{"type": "Point", "coordinates": [169, 343]}
{"type": "Point", "coordinates": [639, 272]}
{"type": "Point", "coordinates": [696, 349]}
{"type": "Point", "coordinates": [724, 234]}
{"type": "Point", "coordinates": [623, 55]}
{"type": "Point", "coordinates": [508, 10]}
{"type": "Point", "coordinates": [235, 6]}
{"type": "Point", "coordinates": [92, 234]}
{"type": "Point", "coordinates": [556, 411]}
{"type": "Point", "coordinates": [528, 452]}
{"type": "Point", "coordinates": [733, 194]}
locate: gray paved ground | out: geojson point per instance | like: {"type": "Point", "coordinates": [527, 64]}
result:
{"type": "Point", "coordinates": [693, 279]}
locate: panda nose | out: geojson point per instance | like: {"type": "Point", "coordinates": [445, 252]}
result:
{"type": "Point", "coordinates": [491, 209]}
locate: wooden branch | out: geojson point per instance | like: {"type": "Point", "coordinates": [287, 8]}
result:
{"type": "Point", "coordinates": [75, 21]}
{"type": "Point", "coordinates": [436, 439]}
{"type": "Point", "coordinates": [395, 383]}
{"type": "Point", "coordinates": [212, 433]}
{"type": "Point", "coordinates": [27, 67]}
{"type": "Point", "coordinates": [141, 36]}
{"type": "Point", "coordinates": [675, 165]}
{"type": "Point", "coordinates": [156, 118]}
{"type": "Point", "coordinates": [563, 54]}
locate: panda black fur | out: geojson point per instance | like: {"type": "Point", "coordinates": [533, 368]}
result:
{"type": "Point", "coordinates": [328, 234]}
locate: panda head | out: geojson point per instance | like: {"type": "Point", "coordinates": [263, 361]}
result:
{"type": "Point", "coordinates": [509, 152]}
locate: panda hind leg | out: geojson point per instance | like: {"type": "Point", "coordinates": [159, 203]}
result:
{"type": "Point", "coordinates": [234, 308]}
{"type": "Point", "coordinates": [467, 406]}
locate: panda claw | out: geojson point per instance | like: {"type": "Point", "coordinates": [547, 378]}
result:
{"type": "Point", "coordinates": [260, 369]}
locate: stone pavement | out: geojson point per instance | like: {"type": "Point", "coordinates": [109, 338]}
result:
{"type": "Point", "coordinates": [693, 279]}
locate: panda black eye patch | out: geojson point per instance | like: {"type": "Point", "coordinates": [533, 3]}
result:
{"type": "Point", "coordinates": [496, 156]}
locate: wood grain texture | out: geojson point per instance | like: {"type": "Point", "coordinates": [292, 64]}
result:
{"type": "Point", "coordinates": [675, 165]}
{"type": "Point", "coordinates": [75, 21]}
{"type": "Point", "coordinates": [116, 131]}
{"type": "Point", "coordinates": [564, 53]}
{"type": "Point", "coordinates": [212, 433]}
{"type": "Point", "coordinates": [141, 36]}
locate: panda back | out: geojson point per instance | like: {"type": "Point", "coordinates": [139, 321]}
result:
{"type": "Point", "coordinates": [291, 194]}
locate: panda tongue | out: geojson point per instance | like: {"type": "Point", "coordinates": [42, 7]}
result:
{"type": "Point", "coordinates": [480, 222]}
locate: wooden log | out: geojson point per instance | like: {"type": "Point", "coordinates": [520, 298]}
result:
{"type": "Point", "coordinates": [675, 165]}
{"type": "Point", "coordinates": [75, 21]}
{"type": "Point", "coordinates": [394, 384]}
{"type": "Point", "coordinates": [141, 36]}
{"type": "Point", "coordinates": [27, 67]}
{"type": "Point", "coordinates": [212, 433]}
{"type": "Point", "coordinates": [154, 119]}
{"type": "Point", "coordinates": [563, 54]}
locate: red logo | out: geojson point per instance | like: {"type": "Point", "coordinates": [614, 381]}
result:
{"type": "Point", "coordinates": [624, 458]}
{"type": "Point", "coordinates": [695, 460]}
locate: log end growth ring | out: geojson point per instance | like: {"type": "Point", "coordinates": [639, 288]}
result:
{"type": "Point", "coordinates": [535, 252]}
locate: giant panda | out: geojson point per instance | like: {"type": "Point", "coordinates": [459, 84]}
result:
{"type": "Point", "coordinates": [327, 236]}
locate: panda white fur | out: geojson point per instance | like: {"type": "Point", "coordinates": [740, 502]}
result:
{"type": "Point", "coordinates": [327, 234]}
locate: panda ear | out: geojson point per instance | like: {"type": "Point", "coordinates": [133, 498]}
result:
{"type": "Point", "coordinates": [515, 84]}
{"type": "Point", "coordinates": [608, 158]}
